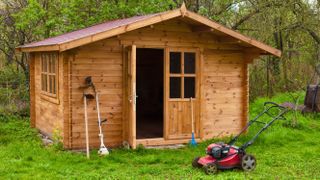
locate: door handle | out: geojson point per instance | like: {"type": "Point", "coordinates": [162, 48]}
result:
{"type": "Point", "coordinates": [135, 99]}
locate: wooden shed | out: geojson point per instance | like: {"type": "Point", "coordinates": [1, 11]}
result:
{"type": "Point", "coordinates": [146, 69]}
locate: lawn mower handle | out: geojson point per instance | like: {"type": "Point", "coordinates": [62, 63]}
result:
{"type": "Point", "coordinates": [283, 111]}
{"type": "Point", "coordinates": [273, 104]}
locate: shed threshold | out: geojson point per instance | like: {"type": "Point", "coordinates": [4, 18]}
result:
{"type": "Point", "coordinates": [162, 141]}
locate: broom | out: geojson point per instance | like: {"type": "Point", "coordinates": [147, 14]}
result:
{"type": "Point", "coordinates": [193, 140]}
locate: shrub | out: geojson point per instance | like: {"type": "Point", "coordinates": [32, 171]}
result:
{"type": "Point", "coordinates": [14, 92]}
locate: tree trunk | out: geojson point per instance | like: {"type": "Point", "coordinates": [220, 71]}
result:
{"type": "Point", "coordinates": [197, 5]}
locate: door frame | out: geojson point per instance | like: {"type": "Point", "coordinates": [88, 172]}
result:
{"type": "Point", "coordinates": [164, 89]}
{"type": "Point", "coordinates": [129, 78]}
{"type": "Point", "coordinates": [166, 74]}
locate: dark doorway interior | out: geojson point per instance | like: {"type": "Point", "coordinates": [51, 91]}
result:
{"type": "Point", "coordinates": [150, 93]}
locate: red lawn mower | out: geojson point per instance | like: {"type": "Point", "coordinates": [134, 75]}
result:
{"type": "Point", "coordinates": [222, 156]}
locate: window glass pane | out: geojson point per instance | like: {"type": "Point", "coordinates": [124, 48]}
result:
{"type": "Point", "coordinates": [175, 87]}
{"type": "Point", "coordinates": [44, 82]}
{"type": "Point", "coordinates": [50, 84]}
{"type": "Point", "coordinates": [189, 87]}
{"type": "Point", "coordinates": [189, 63]}
{"type": "Point", "coordinates": [175, 62]}
{"type": "Point", "coordinates": [44, 63]}
{"type": "Point", "coordinates": [47, 62]}
{"type": "Point", "coordinates": [54, 84]}
{"type": "Point", "coordinates": [53, 66]}
{"type": "Point", "coordinates": [51, 63]}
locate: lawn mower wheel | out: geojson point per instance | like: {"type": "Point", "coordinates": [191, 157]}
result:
{"type": "Point", "coordinates": [195, 163]}
{"type": "Point", "coordinates": [248, 162]}
{"type": "Point", "coordinates": [210, 168]}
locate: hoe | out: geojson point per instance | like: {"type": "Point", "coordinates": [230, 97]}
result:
{"type": "Point", "coordinates": [223, 156]}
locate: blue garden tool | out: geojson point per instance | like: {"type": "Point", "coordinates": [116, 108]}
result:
{"type": "Point", "coordinates": [193, 141]}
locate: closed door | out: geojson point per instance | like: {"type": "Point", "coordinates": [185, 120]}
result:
{"type": "Point", "coordinates": [182, 84]}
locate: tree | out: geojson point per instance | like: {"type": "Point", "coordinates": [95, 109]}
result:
{"type": "Point", "coordinates": [291, 26]}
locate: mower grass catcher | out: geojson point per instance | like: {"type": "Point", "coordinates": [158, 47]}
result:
{"type": "Point", "coordinates": [221, 156]}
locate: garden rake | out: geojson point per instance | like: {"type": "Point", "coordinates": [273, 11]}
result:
{"type": "Point", "coordinates": [193, 140]}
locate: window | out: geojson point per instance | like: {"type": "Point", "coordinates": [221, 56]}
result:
{"type": "Point", "coordinates": [49, 68]}
{"type": "Point", "coordinates": [182, 74]}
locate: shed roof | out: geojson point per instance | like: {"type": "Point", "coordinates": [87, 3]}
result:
{"type": "Point", "coordinates": [74, 35]}
{"type": "Point", "coordinates": [112, 28]}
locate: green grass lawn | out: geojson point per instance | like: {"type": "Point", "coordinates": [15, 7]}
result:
{"type": "Point", "coordinates": [282, 152]}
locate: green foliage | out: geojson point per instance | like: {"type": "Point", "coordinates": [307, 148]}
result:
{"type": "Point", "coordinates": [30, 17]}
{"type": "Point", "coordinates": [282, 152]}
{"type": "Point", "coordinates": [55, 17]}
{"type": "Point", "coordinates": [13, 92]}
{"type": "Point", "coordinates": [31, 20]}
{"type": "Point", "coordinates": [57, 139]}
{"type": "Point", "coordinates": [291, 26]}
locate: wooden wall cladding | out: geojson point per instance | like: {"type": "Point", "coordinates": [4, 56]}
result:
{"type": "Point", "coordinates": [48, 111]}
{"type": "Point", "coordinates": [223, 87]}
{"type": "Point", "coordinates": [221, 75]}
{"type": "Point", "coordinates": [224, 96]}
{"type": "Point", "coordinates": [102, 61]}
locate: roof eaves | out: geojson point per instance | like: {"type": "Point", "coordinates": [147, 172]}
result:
{"type": "Point", "coordinates": [53, 47]}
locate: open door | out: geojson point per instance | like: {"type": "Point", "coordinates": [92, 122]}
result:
{"type": "Point", "coordinates": [150, 88]}
{"type": "Point", "coordinates": [131, 94]}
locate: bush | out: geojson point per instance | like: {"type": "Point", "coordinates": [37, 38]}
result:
{"type": "Point", "coordinates": [14, 92]}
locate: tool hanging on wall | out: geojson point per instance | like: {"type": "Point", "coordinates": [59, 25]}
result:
{"type": "Point", "coordinates": [89, 84]}
{"type": "Point", "coordinates": [193, 141]}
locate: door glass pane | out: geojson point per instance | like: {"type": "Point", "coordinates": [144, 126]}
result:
{"type": "Point", "coordinates": [189, 87]}
{"type": "Point", "coordinates": [175, 62]}
{"type": "Point", "coordinates": [189, 63]}
{"type": "Point", "coordinates": [175, 87]}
